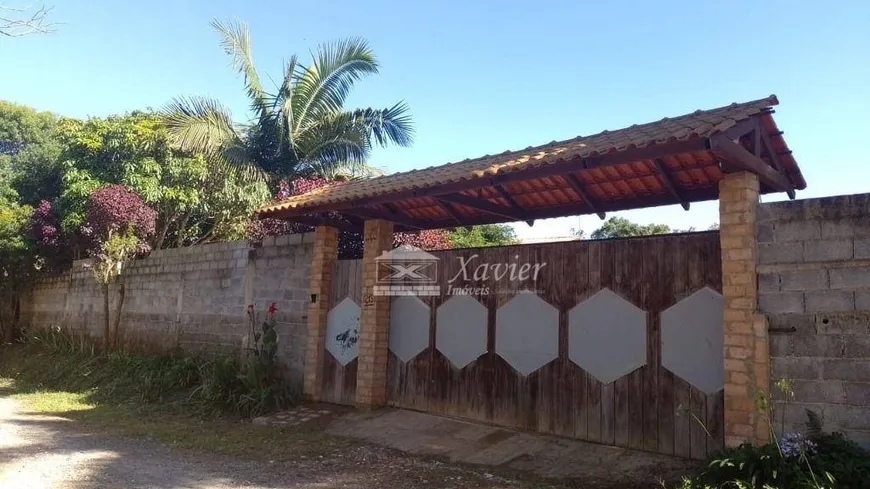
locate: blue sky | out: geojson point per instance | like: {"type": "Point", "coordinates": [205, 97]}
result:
{"type": "Point", "coordinates": [483, 78]}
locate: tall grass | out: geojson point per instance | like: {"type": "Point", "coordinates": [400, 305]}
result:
{"type": "Point", "coordinates": [55, 360]}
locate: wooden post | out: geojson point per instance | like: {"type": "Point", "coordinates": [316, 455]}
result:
{"type": "Point", "coordinates": [371, 383]}
{"type": "Point", "coordinates": [747, 362]}
{"type": "Point", "coordinates": [325, 254]}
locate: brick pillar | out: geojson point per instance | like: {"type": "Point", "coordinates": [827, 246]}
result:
{"type": "Point", "coordinates": [371, 378]}
{"type": "Point", "coordinates": [320, 285]}
{"type": "Point", "coordinates": [747, 363]}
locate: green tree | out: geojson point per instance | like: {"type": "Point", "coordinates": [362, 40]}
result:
{"type": "Point", "coordinates": [16, 259]}
{"type": "Point", "coordinates": [301, 128]}
{"type": "Point", "coordinates": [620, 227]}
{"type": "Point", "coordinates": [29, 151]}
{"type": "Point", "coordinates": [483, 235]}
{"type": "Point", "coordinates": [193, 201]}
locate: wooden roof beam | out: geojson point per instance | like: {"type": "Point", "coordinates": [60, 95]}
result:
{"type": "Point", "coordinates": [512, 202]}
{"type": "Point", "coordinates": [482, 205]}
{"type": "Point", "coordinates": [319, 220]}
{"type": "Point", "coordinates": [577, 186]}
{"type": "Point", "coordinates": [736, 155]}
{"type": "Point", "coordinates": [391, 215]}
{"type": "Point", "coordinates": [743, 128]}
{"type": "Point", "coordinates": [446, 207]}
{"type": "Point", "coordinates": [669, 182]}
{"type": "Point", "coordinates": [774, 158]}
{"type": "Point", "coordinates": [659, 199]}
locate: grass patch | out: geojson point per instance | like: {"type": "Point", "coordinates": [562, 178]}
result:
{"type": "Point", "coordinates": [183, 402]}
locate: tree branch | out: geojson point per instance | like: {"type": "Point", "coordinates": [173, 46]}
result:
{"type": "Point", "coordinates": [16, 22]}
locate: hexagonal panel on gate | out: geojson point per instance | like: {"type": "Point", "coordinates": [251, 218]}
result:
{"type": "Point", "coordinates": [342, 331]}
{"type": "Point", "coordinates": [692, 340]}
{"type": "Point", "coordinates": [460, 333]}
{"type": "Point", "coordinates": [527, 332]}
{"type": "Point", "coordinates": [607, 336]}
{"type": "Point", "coordinates": [409, 327]}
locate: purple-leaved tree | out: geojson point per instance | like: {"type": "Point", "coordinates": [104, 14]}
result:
{"type": "Point", "coordinates": [113, 209]}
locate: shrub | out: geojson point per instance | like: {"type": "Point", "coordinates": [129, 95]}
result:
{"type": "Point", "coordinates": [752, 467]}
{"type": "Point", "coordinates": [844, 459]}
{"type": "Point", "coordinates": [53, 359]}
{"type": "Point", "coordinates": [113, 209]}
{"type": "Point", "coordinates": [818, 460]}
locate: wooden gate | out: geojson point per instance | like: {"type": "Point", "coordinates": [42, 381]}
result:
{"type": "Point", "coordinates": [628, 285]}
{"type": "Point", "coordinates": [342, 333]}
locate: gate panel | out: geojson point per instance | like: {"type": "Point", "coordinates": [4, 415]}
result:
{"type": "Point", "coordinates": [648, 408]}
{"type": "Point", "coordinates": [342, 333]}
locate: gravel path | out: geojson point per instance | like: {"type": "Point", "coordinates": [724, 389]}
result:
{"type": "Point", "coordinates": [49, 452]}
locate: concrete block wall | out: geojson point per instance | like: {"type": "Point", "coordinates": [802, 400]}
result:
{"type": "Point", "coordinates": [814, 287]}
{"type": "Point", "coordinates": [191, 298]}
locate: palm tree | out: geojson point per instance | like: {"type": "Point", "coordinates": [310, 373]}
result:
{"type": "Point", "coordinates": [302, 129]}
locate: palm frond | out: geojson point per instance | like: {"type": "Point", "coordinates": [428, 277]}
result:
{"type": "Point", "coordinates": [322, 87]}
{"type": "Point", "coordinates": [199, 124]}
{"type": "Point", "coordinates": [342, 172]}
{"type": "Point", "coordinates": [387, 126]}
{"type": "Point", "coordinates": [285, 91]}
{"type": "Point", "coordinates": [348, 149]}
{"type": "Point", "coordinates": [282, 106]}
{"type": "Point", "coordinates": [203, 125]}
{"type": "Point", "coordinates": [237, 160]}
{"type": "Point", "coordinates": [236, 42]}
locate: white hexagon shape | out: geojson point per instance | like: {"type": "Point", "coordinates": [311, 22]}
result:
{"type": "Point", "coordinates": [460, 333]}
{"type": "Point", "coordinates": [693, 338]}
{"type": "Point", "coordinates": [409, 327]}
{"type": "Point", "coordinates": [342, 331]}
{"type": "Point", "coordinates": [527, 332]}
{"type": "Point", "coordinates": [607, 336]}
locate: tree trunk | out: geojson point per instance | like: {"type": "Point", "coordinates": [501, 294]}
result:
{"type": "Point", "coordinates": [161, 236]}
{"type": "Point", "coordinates": [206, 238]}
{"type": "Point", "coordinates": [179, 239]}
{"type": "Point", "coordinates": [107, 339]}
{"type": "Point", "coordinates": [9, 324]}
{"type": "Point", "coordinates": [121, 293]}
{"type": "Point", "coordinates": [15, 330]}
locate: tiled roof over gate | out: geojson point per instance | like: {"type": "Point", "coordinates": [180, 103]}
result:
{"type": "Point", "coordinates": [528, 179]}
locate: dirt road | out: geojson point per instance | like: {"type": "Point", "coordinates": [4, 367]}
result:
{"type": "Point", "coordinates": [49, 452]}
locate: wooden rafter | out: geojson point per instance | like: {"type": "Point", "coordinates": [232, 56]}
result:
{"type": "Point", "coordinates": [577, 186]}
{"type": "Point", "coordinates": [774, 158]}
{"type": "Point", "coordinates": [391, 215]}
{"type": "Point", "coordinates": [669, 182]}
{"type": "Point", "coordinates": [511, 201]}
{"type": "Point", "coordinates": [737, 155]}
{"type": "Point", "coordinates": [756, 141]}
{"type": "Point", "coordinates": [742, 128]}
{"type": "Point", "coordinates": [697, 195]}
{"type": "Point", "coordinates": [320, 220]}
{"type": "Point", "coordinates": [482, 205]}
{"type": "Point", "coordinates": [448, 208]}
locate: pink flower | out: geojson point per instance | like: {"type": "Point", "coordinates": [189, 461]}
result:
{"type": "Point", "coordinates": [273, 308]}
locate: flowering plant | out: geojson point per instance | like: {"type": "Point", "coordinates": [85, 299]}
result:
{"type": "Point", "coordinates": [796, 445]}
{"type": "Point", "coordinates": [265, 338]}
